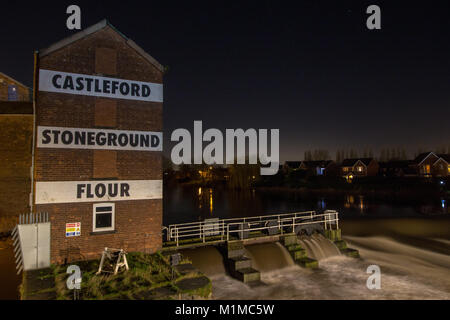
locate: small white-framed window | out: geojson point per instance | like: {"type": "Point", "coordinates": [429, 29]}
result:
{"type": "Point", "coordinates": [103, 217]}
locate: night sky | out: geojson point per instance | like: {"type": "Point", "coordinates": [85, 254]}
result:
{"type": "Point", "coordinates": [312, 69]}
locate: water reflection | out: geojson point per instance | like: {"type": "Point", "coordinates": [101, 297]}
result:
{"type": "Point", "coordinates": [205, 199]}
{"type": "Point", "coordinates": [185, 204]}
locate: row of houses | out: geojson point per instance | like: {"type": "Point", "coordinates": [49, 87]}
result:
{"type": "Point", "coordinates": [428, 164]}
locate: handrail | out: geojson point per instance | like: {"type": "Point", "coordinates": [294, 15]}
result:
{"type": "Point", "coordinates": [221, 227]}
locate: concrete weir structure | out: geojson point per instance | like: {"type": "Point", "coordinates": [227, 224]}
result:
{"type": "Point", "coordinates": [232, 236]}
{"type": "Point", "coordinates": [97, 162]}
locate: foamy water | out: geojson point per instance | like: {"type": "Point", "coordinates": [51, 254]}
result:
{"type": "Point", "coordinates": [407, 272]}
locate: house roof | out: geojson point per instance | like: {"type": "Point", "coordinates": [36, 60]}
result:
{"type": "Point", "coordinates": [293, 164]}
{"type": "Point", "coordinates": [12, 79]}
{"type": "Point", "coordinates": [446, 157]}
{"type": "Point", "coordinates": [352, 162]}
{"type": "Point", "coordinates": [318, 163]}
{"type": "Point", "coordinates": [92, 29]}
{"type": "Point", "coordinates": [421, 157]}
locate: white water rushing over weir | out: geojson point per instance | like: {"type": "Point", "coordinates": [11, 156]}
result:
{"type": "Point", "coordinates": [318, 247]}
{"type": "Point", "coordinates": [407, 273]}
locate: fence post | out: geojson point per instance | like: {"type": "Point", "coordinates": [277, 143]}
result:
{"type": "Point", "coordinates": [202, 231]}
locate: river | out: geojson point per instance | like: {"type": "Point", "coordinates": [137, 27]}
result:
{"type": "Point", "coordinates": [408, 239]}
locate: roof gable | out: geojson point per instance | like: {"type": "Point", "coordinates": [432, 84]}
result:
{"type": "Point", "coordinates": [92, 29]}
{"type": "Point", "coordinates": [354, 161]}
{"type": "Point", "coordinates": [12, 79]}
{"type": "Point", "coordinates": [421, 157]}
{"type": "Point", "coordinates": [317, 163]}
{"type": "Point", "coordinates": [293, 164]}
{"type": "Point", "coordinates": [443, 157]}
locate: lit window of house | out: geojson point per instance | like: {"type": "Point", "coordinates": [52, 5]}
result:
{"type": "Point", "coordinates": [103, 217]}
{"type": "Point", "coordinates": [449, 168]}
{"type": "Point", "coordinates": [360, 169]}
{"type": "Point", "coordinates": [426, 169]}
{"type": "Point", "coordinates": [345, 169]}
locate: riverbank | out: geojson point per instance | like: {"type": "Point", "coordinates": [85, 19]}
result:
{"type": "Point", "coordinates": [150, 277]}
{"type": "Point", "coordinates": [9, 280]}
{"type": "Point", "coordinates": [377, 193]}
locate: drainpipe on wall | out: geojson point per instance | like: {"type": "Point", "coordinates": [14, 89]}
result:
{"type": "Point", "coordinates": [35, 89]}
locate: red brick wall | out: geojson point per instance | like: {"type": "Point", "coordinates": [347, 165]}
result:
{"type": "Point", "coordinates": [23, 93]}
{"type": "Point", "coordinates": [137, 223]}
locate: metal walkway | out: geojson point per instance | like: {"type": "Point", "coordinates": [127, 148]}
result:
{"type": "Point", "coordinates": [212, 231]}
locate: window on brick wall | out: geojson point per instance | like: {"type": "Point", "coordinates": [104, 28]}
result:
{"type": "Point", "coordinates": [103, 217]}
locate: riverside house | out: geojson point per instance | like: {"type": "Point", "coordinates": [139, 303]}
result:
{"type": "Point", "coordinates": [320, 167]}
{"type": "Point", "coordinates": [359, 167]}
{"type": "Point", "coordinates": [430, 164]}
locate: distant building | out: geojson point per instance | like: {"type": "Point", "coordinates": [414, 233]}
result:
{"type": "Point", "coordinates": [430, 164]}
{"type": "Point", "coordinates": [13, 90]}
{"type": "Point", "coordinates": [397, 168]}
{"type": "Point", "coordinates": [320, 167]}
{"type": "Point", "coordinates": [359, 167]}
{"type": "Point", "coordinates": [291, 165]}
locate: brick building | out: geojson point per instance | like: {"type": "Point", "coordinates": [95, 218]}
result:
{"type": "Point", "coordinates": [13, 90]}
{"type": "Point", "coordinates": [98, 162]}
{"type": "Point", "coordinates": [430, 164]}
{"type": "Point", "coordinates": [359, 167]}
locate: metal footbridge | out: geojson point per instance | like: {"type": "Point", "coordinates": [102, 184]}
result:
{"type": "Point", "coordinates": [214, 231]}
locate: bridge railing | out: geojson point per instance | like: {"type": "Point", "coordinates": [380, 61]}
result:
{"type": "Point", "coordinates": [226, 229]}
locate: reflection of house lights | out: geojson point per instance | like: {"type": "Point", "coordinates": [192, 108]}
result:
{"type": "Point", "coordinates": [351, 199]}
{"type": "Point", "coordinates": [210, 201]}
{"type": "Point", "coordinates": [443, 203]}
{"type": "Point", "coordinates": [200, 191]}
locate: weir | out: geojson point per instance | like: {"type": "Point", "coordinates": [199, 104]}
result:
{"type": "Point", "coordinates": [242, 247]}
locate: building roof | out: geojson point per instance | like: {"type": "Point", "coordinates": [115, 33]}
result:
{"type": "Point", "coordinates": [16, 107]}
{"type": "Point", "coordinates": [92, 29]}
{"type": "Point", "coordinates": [446, 157]}
{"type": "Point", "coordinates": [12, 79]}
{"type": "Point", "coordinates": [423, 156]}
{"type": "Point", "coordinates": [318, 163]}
{"type": "Point", "coordinates": [293, 164]}
{"type": "Point", "coordinates": [352, 162]}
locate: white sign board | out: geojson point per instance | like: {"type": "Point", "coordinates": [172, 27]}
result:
{"type": "Point", "coordinates": [94, 191]}
{"type": "Point", "coordinates": [88, 85]}
{"type": "Point", "coordinates": [73, 229]}
{"type": "Point", "coordinates": [82, 138]}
